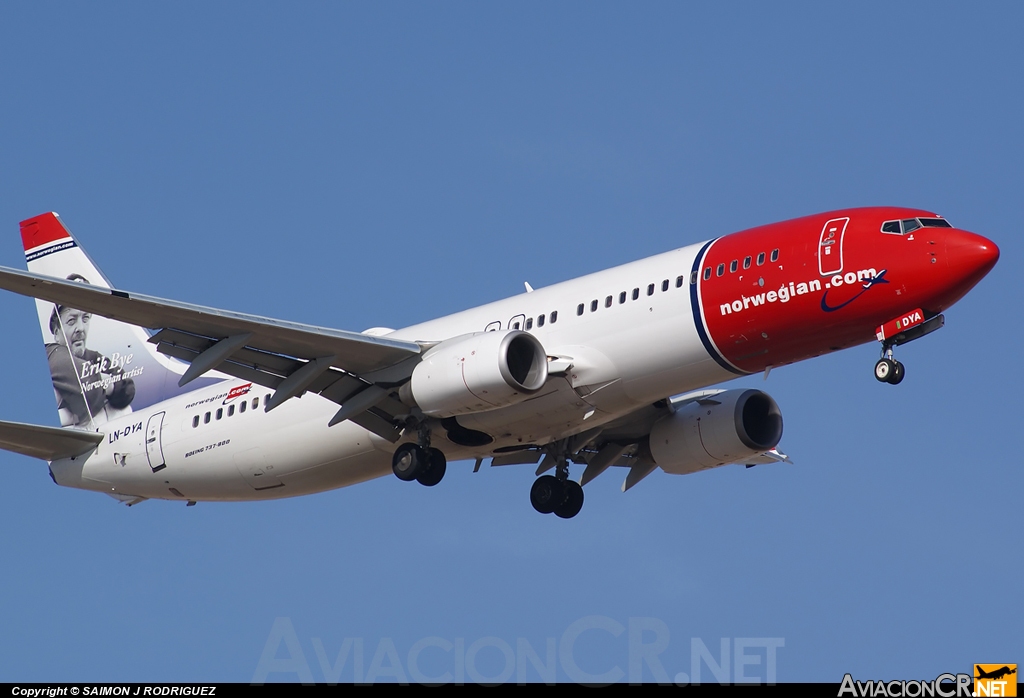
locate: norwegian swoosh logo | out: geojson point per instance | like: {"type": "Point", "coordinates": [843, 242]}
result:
{"type": "Point", "coordinates": [877, 279]}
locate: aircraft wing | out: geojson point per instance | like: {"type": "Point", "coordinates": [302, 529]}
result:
{"type": "Point", "coordinates": [48, 443]}
{"type": "Point", "coordinates": [354, 370]}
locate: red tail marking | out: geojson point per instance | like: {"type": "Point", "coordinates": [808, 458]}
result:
{"type": "Point", "coordinates": [41, 230]}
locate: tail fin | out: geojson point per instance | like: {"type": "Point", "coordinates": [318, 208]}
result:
{"type": "Point", "coordinates": [101, 368]}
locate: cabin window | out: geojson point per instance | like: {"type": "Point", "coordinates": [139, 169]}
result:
{"type": "Point", "coordinates": [650, 289]}
{"type": "Point", "coordinates": [579, 309]}
{"type": "Point", "coordinates": [636, 293]}
{"type": "Point", "coordinates": [664, 284]}
{"type": "Point", "coordinates": [608, 302]}
{"type": "Point", "coordinates": [760, 259]}
{"type": "Point", "coordinates": [231, 410]}
{"type": "Point", "coordinates": [775, 254]}
{"type": "Point", "coordinates": [593, 305]}
{"type": "Point", "coordinates": [554, 316]}
{"type": "Point", "coordinates": [746, 262]}
{"type": "Point", "coordinates": [721, 269]}
{"type": "Point", "coordinates": [206, 418]}
{"type": "Point", "coordinates": [707, 273]}
{"type": "Point", "coordinates": [195, 421]}
{"type": "Point", "coordinates": [241, 408]}
{"type": "Point", "coordinates": [529, 324]}
{"type": "Point", "coordinates": [220, 412]}
{"type": "Point", "coordinates": [540, 321]}
{"type": "Point", "coordinates": [734, 265]}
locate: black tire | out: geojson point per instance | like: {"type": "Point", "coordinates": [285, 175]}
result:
{"type": "Point", "coordinates": [408, 462]}
{"type": "Point", "coordinates": [897, 375]}
{"type": "Point", "coordinates": [884, 370]}
{"type": "Point", "coordinates": [437, 464]}
{"type": "Point", "coordinates": [547, 494]}
{"type": "Point", "coordinates": [573, 501]}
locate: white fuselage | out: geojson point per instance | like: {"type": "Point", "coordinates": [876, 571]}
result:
{"type": "Point", "coordinates": [624, 356]}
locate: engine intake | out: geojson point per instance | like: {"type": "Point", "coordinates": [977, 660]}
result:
{"type": "Point", "coordinates": [478, 372]}
{"type": "Point", "coordinates": [728, 427]}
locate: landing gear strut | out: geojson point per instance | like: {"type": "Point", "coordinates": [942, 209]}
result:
{"type": "Point", "coordinates": [557, 494]}
{"type": "Point", "coordinates": [419, 462]}
{"type": "Point", "coordinates": [888, 369]}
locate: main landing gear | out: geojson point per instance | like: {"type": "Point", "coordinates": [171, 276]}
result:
{"type": "Point", "coordinates": [419, 462]}
{"type": "Point", "coordinates": [557, 494]}
{"type": "Point", "coordinates": [888, 369]}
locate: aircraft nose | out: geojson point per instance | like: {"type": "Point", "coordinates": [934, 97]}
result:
{"type": "Point", "coordinates": [970, 256]}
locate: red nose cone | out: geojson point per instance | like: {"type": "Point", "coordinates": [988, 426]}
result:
{"type": "Point", "coordinates": [969, 257]}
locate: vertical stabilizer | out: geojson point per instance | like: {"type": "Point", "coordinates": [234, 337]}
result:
{"type": "Point", "coordinates": [101, 368]}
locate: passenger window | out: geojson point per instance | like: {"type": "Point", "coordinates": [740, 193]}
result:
{"type": "Point", "coordinates": [721, 269]}
{"type": "Point", "coordinates": [693, 280]}
{"type": "Point", "coordinates": [255, 403]}
{"type": "Point", "coordinates": [622, 297]}
{"type": "Point", "coordinates": [664, 284]}
{"type": "Point", "coordinates": [195, 421]}
{"type": "Point", "coordinates": [891, 227]}
{"type": "Point", "coordinates": [679, 282]}
{"type": "Point", "coordinates": [241, 408]}
{"type": "Point", "coordinates": [760, 259]}
{"type": "Point", "coordinates": [554, 316]}
{"type": "Point", "coordinates": [540, 321]}
{"type": "Point", "coordinates": [707, 273]}
{"type": "Point", "coordinates": [636, 293]}
{"type": "Point", "coordinates": [529, 324]}
{"type": "Point", "coordinates": [608, 302]}
{"type": "Point", "coordinates": [733, 265]}
{"type": "Point", "coordinates": [650, 289]}
{"type": "Point", "coordinates": [593, 305]}
{"type": "Point", "coordinates": [910, 225]}
{"type": "Point", "coordinates": [775, 254]}
{"type": "Point", "coordinates": [220, 412]}
{"type": "Point", "coordinates": [746, 262]}
{"type": "Point", "coordinates": [515, 325]}
{"type": "Point", "coordinates": [579, 309]}
{"type": "Point", "coordinates": [231, 410]}
{"type": "Point", "coordinates": [206, 418]}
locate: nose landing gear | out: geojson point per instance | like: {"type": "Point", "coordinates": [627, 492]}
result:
{"type": "Point", "coordinates": [888, 369]}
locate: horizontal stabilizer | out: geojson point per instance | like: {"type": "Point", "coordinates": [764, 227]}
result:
{"type": "Point", "coordinates": [48, 443]}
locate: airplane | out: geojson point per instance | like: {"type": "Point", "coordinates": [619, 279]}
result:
{"type": "Point", "coordinates": [160, 399]}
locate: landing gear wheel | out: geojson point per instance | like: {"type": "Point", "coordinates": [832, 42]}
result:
{"type": "Point", "coordinates": [897, 375]}
{"type": "Point", "coordinates": [547, 494]}
{"type": "Point", "coordinates": [436, 467]}
{"type": "Point", "coordinates": [884, 370]}
{"type": "Point", "coordinates": [573, 500]}
{"type": "Point", "coordinates": [408, 462]}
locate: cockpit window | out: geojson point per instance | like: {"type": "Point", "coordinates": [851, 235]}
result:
{"type": "Point", "coordinates": [910, 225]}
{"type": "Point", "coordinates": [935, 223]}
{"type": "Point", "coordinates": [892, 227]}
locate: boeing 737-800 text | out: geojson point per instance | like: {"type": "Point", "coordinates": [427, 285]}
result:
{"type": "Point", "coordinates": [166, 400]}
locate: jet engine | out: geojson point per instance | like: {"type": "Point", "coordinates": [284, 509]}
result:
{"type": "Point", "coordinates": [477, 372]}
{"type": "Point", "coordinates": [717, 429]}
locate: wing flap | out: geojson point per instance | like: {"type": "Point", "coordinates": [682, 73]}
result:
{"type": "Point", "coordinates": [48, 443]}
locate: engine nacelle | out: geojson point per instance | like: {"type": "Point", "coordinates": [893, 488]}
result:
{"type": "Point", "coordinates": [478, 372]}
{"type": "Point", "coordinates": [728, 427]}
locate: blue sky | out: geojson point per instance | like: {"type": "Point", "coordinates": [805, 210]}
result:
{"type": "Point", "coordinates": [356, 165]}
